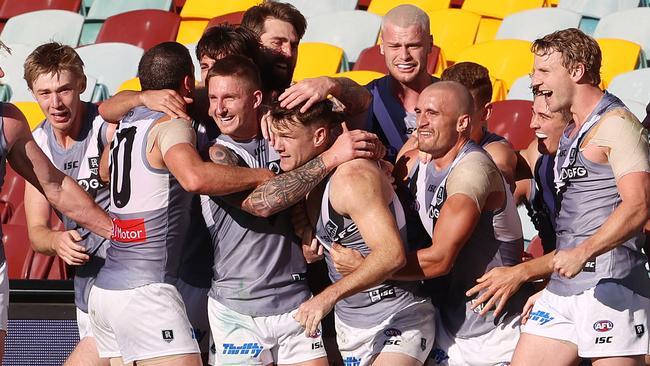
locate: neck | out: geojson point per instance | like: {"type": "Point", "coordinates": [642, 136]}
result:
{"type": "Point", "coordinates": [445, 160]}
{"type": "Point", "coordinates": [584, 102]}
{"type": "Point", "coordinates": [67, 137]}
{"type": "Point", "coordinates": [408, 93]}
{"type": "Point", "coordinates": [477, 133]}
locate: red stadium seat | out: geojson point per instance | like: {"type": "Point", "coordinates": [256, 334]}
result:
{"type": "Point", "coordinates": [535, 248]}
{"type": "Point", "coordinates": [10, 8]}
{"type": "Point", "coordinates": [230, 18]}
{"type": "Point", "coordinates": [17, 248]}
{"type": "Point", "coordinates": [13, 190]}
{"type": "Point", "coordinates": [141, 28]}
{"type": "Point", "coordinates": [372, 60]}
{"type": "Point", "coordinates": [511, 119]}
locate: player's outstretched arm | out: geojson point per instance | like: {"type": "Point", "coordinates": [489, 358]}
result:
{"type": "Point", "coordinates": [166, 101]}
{"type": "Point", "coordinates": [360, 190]}
{"type": "Point", "coordinates": [353, 96]}
{"type": "Point", "coordinates": [62, 192]}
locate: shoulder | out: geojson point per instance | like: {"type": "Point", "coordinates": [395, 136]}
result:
{"type": "Point", "coordinates": [476, 167]}
{"type": "Point", "coordinates": [14, 123]}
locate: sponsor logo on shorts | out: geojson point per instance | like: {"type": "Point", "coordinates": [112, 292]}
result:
{"type": "Point", "coordinates": [603, 340]}
{"type": "Point", "coordinates": [439, 356]}
{"type": "Point", "coordinates": [590, 266]}
{"type": "Point", "coordinates": [392, 332]}
{"type": "Point", "coordinates": [393, 342]}
{"type": "Point", "coordinates": [381, 293]}
{"type": "Point", "coordinates": [253, 349]}
{"type": "Point", "coordinates": [423, 344]}
{"type": "Point", "coordinates": [299, 276]}
{"type": "Point", "coordinates": [352, 361]}
{"type": "Point", "coordinates": [168, 335]}
{"type": "Point", "coordinates": [316, 334]}
{"type": "Point", "coordinates": [603, 326]}
{"type": "Point", "coordinates": [129, 231]}
{"type": "Point", "coordinates": [317, 345]}
{"type": "Point", "coordinates": [540, 317]}
{"type": "Point", "coordinates": [639, 329]}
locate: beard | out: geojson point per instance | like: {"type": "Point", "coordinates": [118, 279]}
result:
{"type": "Point", "coordinates": [274, 80]}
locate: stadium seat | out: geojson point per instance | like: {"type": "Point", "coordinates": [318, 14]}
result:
{"type": "Point", "coordinates": [141, 28]}
{"type": "Point", "coordinates": [13, 190]}
{"type": "Point", "coordinates": [381, 7]}
{"type": "Point", "coordinates": [528, 25]}
{"type": "Point", "coordinates": [102, 9]}
{"type": "Point", "coordinates": [632, 25]}
{"type": "Point", "coordinates": [196, 14]}
{"type": "Point", "coordinates": [597, 8]}
{"type": "Point", "coordinates": [191, 30]}
{"type": "Point", "coordinates": [637, 109]}
{"type": "Point", "coordinates": [17, 248]}
{"type": "Point", "coordinates": [511, 119]}
{"type": "Point", "coordinates": [230, 18]}
{"type": "Point", "coordinates": [520, 89]}
{"type": "Point", "coordinates": [9, 9]}
{"type": "Point", "coordinates": [43, 267]}
{"type": "Point", "coordinates": [13, 67]}
{"type": "Point", "coordinates": [632, 86]}
{"type": "Point", "coordinates": [112, 64]}
{"type": "Point", "coordinates": [618, 56]}
{"type": "Point", "coordinates": [453, 30]}
{"type": "Point", "coordinates": [311, 8]}
{"type": "Point", "coordinates": [38, 27]}
{"type": "Point", "coordinates": [507, 59]}
{"type": "Point", "coordinates": [500, 8]}
{"type": "Point", "coordinates": [32, 112]}
{"type": "Point", "coordinates": [371, 59]}
{"type": "Point", "coordinates": [361, 77]}
{"type": "Point", "coordinates": [487, 29]}
{"type": "Point", "coordinates": [498, 90]}
{"type": "Point", "coordinates": [535, 248]}
{"type": "Point", "coordinates": [131, 84]}
{"type": "Point", "coordinates": [355, 30]}
{"type": "Point", "coordinates": [317, 59]}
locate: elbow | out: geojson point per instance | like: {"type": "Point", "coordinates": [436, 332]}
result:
{"type": "Point", "coordinates": [397, 262]}
{"type": "Point", "coordinates": [437, 268]}
{"type": "Point", "coordinates": [192, 183]}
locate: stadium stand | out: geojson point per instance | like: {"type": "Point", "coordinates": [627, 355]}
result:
{"type": "Point", "coordinates": [632, 86]}
{"type": "Point", "coordinates": [316, 59]}
{"type": "Point", "coordinates": [500, 9]}
{"type": "Point", "coordinates": [619, 56]}
{"type": "Point", "coordinates": [32, 112]}
{"type": "Point", "coordinates": [632, 25]}
{"type": "Point", "coordinates": [520, 89]}
{"type": "Point", "coordinates": [361, 77]}
{"type": "Point", "coordinates": [511, 119]}
{"type": "Point", "coordinates": [453, 30]}
{"type": "Point", "coordinates": [197, 13]}
{"type": "Point", "coordinates": [381, 7]}
{"type": "Point", "coordinates": [131, 84]}
{"type": "Point", "coordinates": [141, 28]}
{"type": "Point", "coordinates": [37, 27]}
{"type": "Point", "coordinates": [9, 9]}
{"type": "Point", "coordinates": [528, 25]}
{"type": "Point", "coordinates": [311, 8]}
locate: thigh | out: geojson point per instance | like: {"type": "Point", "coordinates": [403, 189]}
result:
{"type": "Point", "coordinates": [535, 350]}
{"type": "Point", "coordinates": [85, 354]}
{"type": "Point", "coordinates": [101, 307]}
{"type": "Point", "coordinates": [293, 346]}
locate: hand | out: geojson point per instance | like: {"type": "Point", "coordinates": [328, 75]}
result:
{"type": "Point", "coordinates": [312, 250]}
{"type": "Point", "coordinates": [267, 132]}
{"type": "Point", "coordinates": [500, 284]}
{"type": "Point", "coordinates": [166, 101]}
{"type": "Point", "coordinates": [311, 312]}
{"type": "Point", "coordinates": [528, 307]}
{"type": "Point", "coordinates": [310, 91]}
{"type": "Point", "coordinates": [353, 144]}
{"type": "Point", "coordinates": [568, 263]}
{"type": "Point", "coordinates": [64, 243]}
{"type": "Point", "coordinates": [345, 260]}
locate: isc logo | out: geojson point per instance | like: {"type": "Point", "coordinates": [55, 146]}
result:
{"type": "Point", "coordinates": [603, 326]}
{"type": "Point", "coordinates": [603, 340]}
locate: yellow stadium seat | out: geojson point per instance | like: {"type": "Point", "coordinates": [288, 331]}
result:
{"type": "Point", "coordinates": [131, 84]}
{"type": "Point", "coordinates": [208, 9]}
{"type": "Point", "coordinates": [507, 59]}
{"type": "Point", "coordinates": [619, 56]}
{"type": "Point", "coordinates": [453, 30]}
{"type": "Point", "coordinates": [498, 90]}
{"type": "Point", "coordinates": [487, 29]}
{"type": "Point", "coordinates": [500, 8]}
{"type": "Point", "coordinates": [361, 77]}
{"type": "Point", "coordinates": [317, 59]}
{"type": "Point", "coordinates": [32, 112]}
{"type": "Point", "coordinates": [381, 7]}
{"type": "Point", "coordinates": [191, 30]}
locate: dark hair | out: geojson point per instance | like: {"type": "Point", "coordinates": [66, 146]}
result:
{"type": "Point", "coordinates": [52, 58]}
{"type": "Point", "coordinates": [576, 48]}
{"type": "Point", "coordinates": [236, 66]}
{"type": "Point", "coordinates": [475, 77]}
{"type": "Point", "coordinates": [224, 39]}
{"type": "Point", "coordinates": [321, 113]}
{"type": "Point", "coordinates": [255, 17]}
{"type": "Point", "coordinates": [164, 66]}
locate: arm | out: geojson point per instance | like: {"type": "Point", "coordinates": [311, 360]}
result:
{"type": "Point", "coordinates": [62, 192]}
{"type": "Point", "coordinates": [505, 159]}
{"type": "Point", "coordinates": [45, 240]}
{"type": "Point", "coordinates": [353, 183]}
{"type": "Point", "coordinates": [166, 101]}
{"type": "Point", "coordinates": [354, 96]}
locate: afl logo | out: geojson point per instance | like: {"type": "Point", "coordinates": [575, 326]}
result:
{"type": "Point", "coordinates": [603, 326]}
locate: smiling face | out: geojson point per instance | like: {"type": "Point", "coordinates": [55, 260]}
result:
{"type": "Point", "coordinates": [233, 106]}
{"type": "Point", "coordinates": [437, 123]}
{"type": "Point", "coordinates": [58, 97]}
{"type": "Point", "coordinates": [553, 81]}
{"type": "Point", "coordinates": [279, 50]}
{"type": "Point", "coordinates": [548, 126]}
{"type": "Point", "coordinates": [405, 51]}
{"type": "Point", "coordinates": [296, 144]}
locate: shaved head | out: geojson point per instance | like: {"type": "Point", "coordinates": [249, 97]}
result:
{"type": "Point", "coordinates": [405, 16]}
{"type": "Point", "coordinates": [458, 99]}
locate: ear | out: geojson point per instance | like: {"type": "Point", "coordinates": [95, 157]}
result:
{"type": "Point", "coordinates": [83, 82]}
{"type": "Point", "coordinates": [430, 43]}
{"type": "Point", "coordinates": [188, 83]}
{"type": "Point", "coordinates": [577, 72]}
{"type": "Point", "coordinates": [487, 112]}
{"type": "Point", "coordinates": [381, 48]}
{"type": "Point", "coordinates": [463, 123]}
{"type": "Point", "coordinates": [257, 96]}
{"type": "Point", "coordinates": [320, 137]}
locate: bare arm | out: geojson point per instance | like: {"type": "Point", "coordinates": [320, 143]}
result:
{"type": "Point", "coordinates": [354, 96]}
{"type": "Point", "coordinates": [505, 159]}
{"type": "Point", "coordinates": [166, 101]}
{"type": "Point", "coordinates": [62, 192]}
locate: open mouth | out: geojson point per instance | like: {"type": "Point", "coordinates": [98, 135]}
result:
{"type": "Point", "coordinates": [59, 116]}
{"type": "Point", "coordinates": [226, 118]}
{"type": "Point", "coordinates": [540, 135]}
{"type": "Point", "coordinates": [405, 67]}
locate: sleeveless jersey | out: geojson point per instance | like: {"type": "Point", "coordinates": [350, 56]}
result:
{"type": "Point", "coordinates": [497, 240]}
{"type": "Point", "coordinates": [4, 150]}
{"type": "Point", "coordinates": [259, 268]}
{"type": "Point", "coordinates": [81, 162]}
{"type": "Point", "coordinates": [149, 209]}
{"type": "Point", "coordinates": [541, 207]}
{"type": "Point", "coordinates": [587, 197]}
{"type": "Point", "coordinates": [490, 137]}
{"type": "Point", "coordinates": [372, 306]}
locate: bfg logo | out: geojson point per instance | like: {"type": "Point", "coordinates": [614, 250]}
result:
{"type": "Point", "coordinates": [573, 172]}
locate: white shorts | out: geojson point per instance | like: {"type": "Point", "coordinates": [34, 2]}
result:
{"type": "Point", "coordinates": [83, 324]}
{"type": "Point", "coordinates": [247, 340]}
{"type": "Point", "coordinates": [4, 297]}
{"type": "Point", "coordinates": [492, 348]}
{"type": "Point", "coordinates": [608, 320]}
{"type": "Point", "coordinates": [410, 331]}
{"type": "Point", "coordinates": [196, 304]}
{"type": "Point", "coordinates": [140, 323]}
